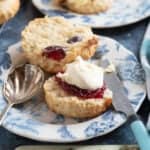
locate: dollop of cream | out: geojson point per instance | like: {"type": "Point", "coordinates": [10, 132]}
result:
{"type": "Point", "coordinates": [83, 74]}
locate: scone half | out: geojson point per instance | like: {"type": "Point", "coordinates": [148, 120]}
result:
{"type": "Point", "coordinates": [8, 9]}
{"type": "Point", "coordinates": [85, 6]}
{"type": "Point", "coordinates": [74, 40]}
{"type": "Point", "coordinates": [61, 102]}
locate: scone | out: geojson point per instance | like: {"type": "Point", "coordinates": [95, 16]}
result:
{"type": "Point", "coordinates": [53, 42]}
{"type": "Point", "coordinates": [8, 8]}
{"type": "Point", "coordinates": [79, 92]}
{"type": "Point", "coordinates": [85, 6]}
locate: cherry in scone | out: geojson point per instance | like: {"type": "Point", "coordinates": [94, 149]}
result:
{"type": "Point", "coordinates": [54, 52]}
{"type": "Point", "coordinates": [79, 91]}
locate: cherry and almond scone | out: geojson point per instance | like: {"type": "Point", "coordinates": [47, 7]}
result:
{"type": "Point", "coordinates": [79, 91]}
{"type": "Point", "coordinates": [54, 42]}
{"type": "Point", "coordinates": [85, 6]}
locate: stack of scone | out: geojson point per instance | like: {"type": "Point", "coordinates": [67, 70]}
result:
{"type": "Point", "coordinates": [8, 8]}
{"type": "Point", "coordinates": [85, 6]}
{"type": "Point", "coordinates": [59, 46]}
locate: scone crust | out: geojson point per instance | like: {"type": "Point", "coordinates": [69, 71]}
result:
{"type": "Point", "coordinates": [86, 6]}
{"type": "Point", "coordinates": [71, 106]}
{"type": "Point", "coordinates": [33, 43]}
{"type": "Point", "coordinates": [8, 9]}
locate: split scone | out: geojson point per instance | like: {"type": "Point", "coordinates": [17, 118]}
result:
{"type": "Point", "coordinates": [8, 8]}
{"type": "Point", "coordinates": [85, 6]}
{"type": "Point", "coordinates": [53, 42]}
{"type": "Point", "coordinates": [79, 92]}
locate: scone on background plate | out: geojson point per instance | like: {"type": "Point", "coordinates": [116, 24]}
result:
{"type": "Point", "coordinates": [85, 6]}
{"type": "Point", "coordinates": [8, 8]}
{"type": "Point", "coordinates": [53, 42]}
{"type": "Point", "coordinates": [79, 92]}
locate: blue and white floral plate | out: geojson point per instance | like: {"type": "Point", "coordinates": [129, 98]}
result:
{"type": "Point", "coordinates": [34, 120]}
{"type": "Point", "coordinates": [123, 12]}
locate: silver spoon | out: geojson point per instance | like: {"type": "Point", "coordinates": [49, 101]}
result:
{"type": "Point", "coordinates": [22, 83]}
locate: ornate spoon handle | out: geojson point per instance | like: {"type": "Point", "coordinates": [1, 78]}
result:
{"type": "Point", "coordinates": [4, 113]}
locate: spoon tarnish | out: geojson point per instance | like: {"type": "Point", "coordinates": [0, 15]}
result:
{"type": "Point", "coordinates": [22, 83]}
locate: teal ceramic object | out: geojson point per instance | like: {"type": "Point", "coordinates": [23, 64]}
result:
{"type": "Point", "coordinates": [145, 58]}
{"type": "Point", "coordinates": [145, 54]}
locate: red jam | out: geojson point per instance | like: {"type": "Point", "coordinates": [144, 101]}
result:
{"type": "Point", "coordinates": [54, 52]}
{"type": "Point", "coordinates": [82, 93]}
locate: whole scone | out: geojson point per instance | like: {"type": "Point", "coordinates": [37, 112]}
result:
{"type": "Point", "coordinates": [85, 6]}
{"type": "Point", "coordinates": [8, 8]}
{"type": "Point", "coordinates": [64, 96]}
{"type": "Point", "coordinates": [53, 42]}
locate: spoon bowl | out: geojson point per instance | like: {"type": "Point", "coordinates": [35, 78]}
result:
{"type": "Point", "coordinates": [22, 83]}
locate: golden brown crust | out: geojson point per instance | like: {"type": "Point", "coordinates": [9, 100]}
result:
{"type": "Point", "coordinates": [85, 6]}
{"type": "Point", "coordinates": [8, 8]}
{"type": "Point", "coordinates": [60, 102]}
{"type": "Point", "coordinates": [44, 32]}
{"type": "Point", "coordinates": [59, 2]}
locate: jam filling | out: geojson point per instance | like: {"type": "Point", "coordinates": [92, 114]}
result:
{"type": "Point", "coordinates": [54, 52]}
{"type": "Point", "coordinates": [82, 93]}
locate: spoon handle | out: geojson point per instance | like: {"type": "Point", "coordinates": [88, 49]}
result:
{"type": "Point", "coordinates": [4, 113]}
